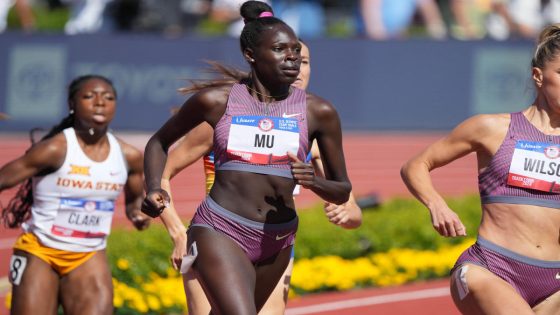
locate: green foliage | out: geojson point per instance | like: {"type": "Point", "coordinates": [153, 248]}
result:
{"type": "Point", "coordinates": [397, 223]}
{"type": "Point", "coordinates": [45, 19]}
{"type": "Point", "coordinates": [146, 251]}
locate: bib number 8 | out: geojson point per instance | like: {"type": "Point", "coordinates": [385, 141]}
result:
{"type": "Point", "coordinates": [17, 267]}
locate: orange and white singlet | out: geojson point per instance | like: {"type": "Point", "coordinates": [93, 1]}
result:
{"type": "Point", "coordinates": [73, 207]}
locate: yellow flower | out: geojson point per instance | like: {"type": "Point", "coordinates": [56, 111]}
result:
{"type": "Point", "coordinates": [123, 264]}
{"type": "Point", "coordinates": [9, 300]}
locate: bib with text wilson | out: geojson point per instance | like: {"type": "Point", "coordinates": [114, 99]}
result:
{"type": "Point", "coordinates": [535, 165]}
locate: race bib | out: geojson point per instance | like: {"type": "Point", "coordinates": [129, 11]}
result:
{"type": "Point", "coordinates": [83, 218]}
{"type": "Point", "coordinates": [262, 139]}
{"type": "Point", "coordinates": [535, 165]}
{"type": "Point", "coordinates": [17, 267]}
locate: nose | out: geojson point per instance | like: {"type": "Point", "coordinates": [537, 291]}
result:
{"type": "Point", "coordinates": [99, 100]}
{"type": "Point", "coordinates": [293, 55]}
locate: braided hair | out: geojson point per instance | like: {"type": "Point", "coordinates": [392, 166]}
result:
{"type": "Point", "coordinates": [18, 209]}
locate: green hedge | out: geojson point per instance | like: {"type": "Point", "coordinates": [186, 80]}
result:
{"type": "Point", "coordinates": [397, 223]}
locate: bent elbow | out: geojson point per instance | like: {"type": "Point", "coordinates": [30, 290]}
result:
{"type": "Point", "coordinates": [345, 195]}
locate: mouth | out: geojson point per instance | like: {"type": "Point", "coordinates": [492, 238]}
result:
{"type": "Point", "coordinates": [99, 118]}
{"type": "Point", "coordinates": [292, 72]}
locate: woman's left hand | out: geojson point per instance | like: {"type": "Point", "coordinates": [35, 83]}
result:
{"type": "Point", "coordinates": [303, 173]}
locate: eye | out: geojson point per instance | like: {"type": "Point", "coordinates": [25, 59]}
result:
{"type": "Point", "coordinates": [110, 97]}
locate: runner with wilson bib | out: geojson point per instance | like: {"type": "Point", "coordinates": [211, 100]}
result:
{"type": "Point", "coordinates": [535, 165]}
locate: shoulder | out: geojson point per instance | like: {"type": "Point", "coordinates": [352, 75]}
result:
{"type": "Point", "coordinates": [484, 124]}
{"type": "Point", "coordinates": [482, 131]}
{"type": "Point", "coordinates": [320, 107]}
{"type": "Point", "coordinates": [132, 155]}
{"type": "Point", "coordinates": [212, 96]}
{"type": "Point", "coordinates": [50, 152]}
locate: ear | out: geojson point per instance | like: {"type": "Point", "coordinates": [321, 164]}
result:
{"type": "Point", "coordinates": [537, 76]}
{"type": "Point", "coordinates": [249, 56]}
{"type": "Point", "coordinates": [71, 107]}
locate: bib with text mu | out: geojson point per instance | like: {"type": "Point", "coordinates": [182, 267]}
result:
{"type": "Point", "coordinates": [83, 218]}
{"type": "Point", "coordinates": [535, 165]}
{"type": "Point", "coordinates": [262, 139]}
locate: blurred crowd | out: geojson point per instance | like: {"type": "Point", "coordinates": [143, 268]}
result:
{"type": "Point", "coordinates": [374, 19]}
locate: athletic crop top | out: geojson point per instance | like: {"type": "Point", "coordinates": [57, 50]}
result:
{"type": "Point", "coordinates": [525, 169]}
{"type": "Point", "coordinates": [73, 207]}
{"type": "Point", "coordinates": [254, 136]}
{"type": "Point", "coordinates": [209, 171]}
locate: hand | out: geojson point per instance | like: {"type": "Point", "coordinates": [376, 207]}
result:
{"type": "Point", "coordinates": [447, 222]}
{"type": "Point", "coordinates": [155, 201]}
{"type": "Point", "coordinates": [337, 214]}
{"type": "Point", "coordinates": [179, 250]}
{"type": "Point", "coordinates": [138, 219]}
{"type": "Point", "coordinates": [303, 173]}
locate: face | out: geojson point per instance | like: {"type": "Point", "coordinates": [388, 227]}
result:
{"type": "Point", "coordinates": [94, 104]}
{"type": "Point", "coordinates": [302, 80]}
{"type": "Point", "coordinates": [278, 56]}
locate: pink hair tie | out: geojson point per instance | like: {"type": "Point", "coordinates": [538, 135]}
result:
{"type": "Point", "coordinates": [266, 14]}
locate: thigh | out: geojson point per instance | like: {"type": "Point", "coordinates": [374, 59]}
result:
{"type": "Point", "coordinates": [276, 302]}
{"type": "Point", "coordinates": [550, 306]}
{"type": "Point", "coordinates": [197, 302]}
{"type": "Point", "coordinates": [88, 289]}
{"type": "Point", "coordinates": [477, 291]}
{"type": "Point", "coordinates": [224, 271]}
{"type": "Point", "coordinates": [37, 291]}
{"type": "Point", "coordinates": [269, 273]}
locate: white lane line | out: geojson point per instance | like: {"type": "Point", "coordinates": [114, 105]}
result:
{"type": "Point", "coordinates": [6, 243]}
{"type": "Point", "coordinates": [380, 299]}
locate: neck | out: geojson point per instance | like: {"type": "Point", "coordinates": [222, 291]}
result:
{"type": "Point", "coordinates": [262, 94]}
{"type": "Point", "coordinates": [542, 115]}
{"type": "Point", "coordinates": [90, 134]}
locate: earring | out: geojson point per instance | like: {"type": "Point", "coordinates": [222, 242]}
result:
{"type": "Point", "coordinates": [251, 60]}
{"type": "Point", "coordinates": [71, 111]}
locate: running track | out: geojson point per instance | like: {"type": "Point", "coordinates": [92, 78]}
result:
{"type": "Point", "coordinates": [373, 163]}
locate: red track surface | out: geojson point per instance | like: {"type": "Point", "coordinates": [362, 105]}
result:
{"type": "Point", "coordinates": [373, 162]}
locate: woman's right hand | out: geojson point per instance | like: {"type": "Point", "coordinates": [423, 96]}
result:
{"type": "Point", "coordinates": [447, 222]}
{"type": "Point", "coordinates": [179, 250]}
{"type": "Point", "coordinates": [155, 202]}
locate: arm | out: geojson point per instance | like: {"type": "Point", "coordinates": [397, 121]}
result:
{"type": "Point", "coordinates": [347, 215]}
{"type": "Point", "coordinates": [133, 190]}
{"type": "Point", "coordinates": [207, 105]}
{"type": "Point", "coordinates": [464, 139]}
{"type": "Point", "coordinates": [45, 156]}
{"type": "Point", "coordinates": [193, 146]}
{"type": "Point", "coordinates": [324, 126]}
